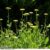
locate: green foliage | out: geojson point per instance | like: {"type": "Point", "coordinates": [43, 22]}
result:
{"type": "Point", "coordinates": [27, 38]}
{"type": "Point", "coordinates": [30, 36]}
{"type": "Point", "coordinates": [46, 40]}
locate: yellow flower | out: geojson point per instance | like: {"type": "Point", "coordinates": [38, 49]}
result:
{"type": "Point", "coordinates": [22, 9]}
{"type": "Point", "coordinates": [14, 37]}
{"type": "Point", "coordinates": [29, 23]}
{"type": "Point", "coordinates": [45, 14]}
{"type": "Point", "coordinates": [36, 10]}
{"type": "Point", "coordinates": [15, 20]}
{"type": "Point", "coordinates": [1, 19]}
{"type": "Point", "coordinates": [31, 12]}
{"type": "Point", "coordinates": [48, 26]}
{"type": "Point", "coordinates": [26, 14]}
{"type": "Point", "coordinates": [34, 26]}
{"type": "Point", "coordinates": [37, 14]}
{"type": "Point", "coordinates": [8, 8]}
{"type": "Point", "coordinates": [7, 36]}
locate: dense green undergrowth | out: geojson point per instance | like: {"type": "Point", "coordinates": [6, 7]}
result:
{"type": "Point", "coordinates": [27, 38]}
{"type": "Point", "coordinates": [29, 35]}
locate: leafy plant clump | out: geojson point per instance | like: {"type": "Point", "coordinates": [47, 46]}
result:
{"type": "Point", "coordinates": [29, 35]}
{"type": "Point", "coordinates": [28, 38]}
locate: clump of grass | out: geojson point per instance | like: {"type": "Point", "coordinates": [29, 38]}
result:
{"type": "Point", "coordinates": [8, 40]}
{"type": "Point", "coordinates": [32, 38]}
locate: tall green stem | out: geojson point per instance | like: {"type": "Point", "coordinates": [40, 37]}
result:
{"type": "Point", "coordinates": [22, 15]}
{"type": "Point", "coordinates": [8, 16]}
{"type": "Point", "coordinates": [36, 19]}
{"type": "Point", "coordinates": [0, 27]}
{"type": "Point", "coordinates": [45, 26]}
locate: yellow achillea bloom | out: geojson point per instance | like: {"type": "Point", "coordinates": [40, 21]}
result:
{"type": "Point", "coordinates": [26, 14]}
{"type": "Point", "coordinates": [1, 19]}
{"type": "Point", "coordinates": [7, 36]}
{"type": "Point", "coordinates": [15, 20]}
{"type": "Point", "coordinates": [48, 26]}
{"type": "Point", "coordinates": [14, 37]}
{"type": "Point", "coordinates": [45, 14]}
{"type": "Point", "coordinates": [37, 14]}
{"type": "Point", "coordinates": [29, 23]}
{"type": "Point", "coordinates": [8, 8]}
{"type": "Point", "coordinates": [34, 27]}
{"type": "Point", "coordinates": [30, 12]}
{"type": "Point", "coordinates": [36, 10]}
{"type": "Point", "coordinates": [22, 9]}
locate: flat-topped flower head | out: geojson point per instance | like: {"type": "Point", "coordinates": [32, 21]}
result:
{"type": "Point", "coordinates": [14, 37]}
{"type": "Point", "coordinates": [36, 10]}
{"type": "Point", "coordinates": [26, 14]}
{"type": "Point", "coordinates": [7, 36]}
{"type": "Point", "coordinates": [48, 26]}
{"type": "Point", "coordinates": [8, 8]}
{"type": "Point", "coordinates": [8, 25]}
{"type": "Point", "coordinates": [30, 12]}
{"type": "Point", "coordinates": [34, 27]}
{"type": "Point", "coordinates": [1, 19]}
{"type": "Point", "coordinates": [45, 14]}
{"type": "Point", "coordinates": [37, 14]}
{"type": "Point", "coordinates": [22, 9]}
{"type": "Point", "coordinates": [29, 23]}
{"type": "Point", "coordinates": [15, 20]}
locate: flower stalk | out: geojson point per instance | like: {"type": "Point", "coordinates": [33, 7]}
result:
{"type": "Point", "coordinates": [31, 16]}
{"type": "Point", "coordinates": [8, 9]}
{"type": "Point", "coordinates": [15, 21]}
{"type": "Point", "coordinates": [26, 16]}
{"type": "Point", "coordinates": [22, 10]}
{"type": "Point", "coordinates": [45, 25]}
{"type": "Point", "coordinates": [36, 10]}
{"type": "Point", "coordinates": [1, 25]}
